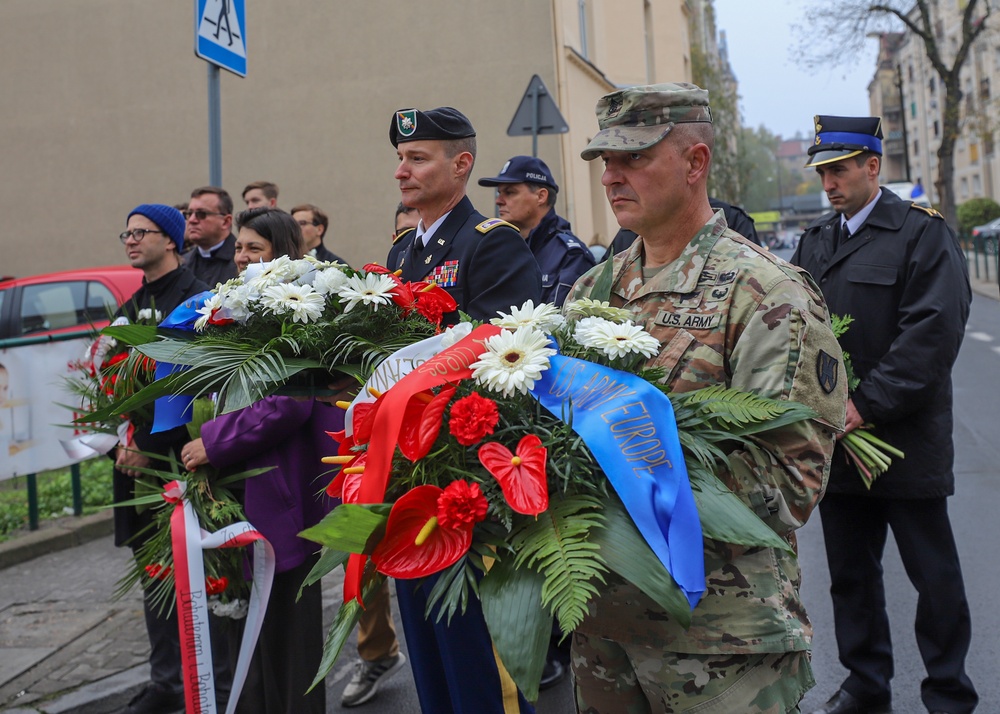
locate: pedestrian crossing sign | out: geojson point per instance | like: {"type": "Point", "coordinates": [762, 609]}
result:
{"type": "Point", "coordinates": [220, 34]}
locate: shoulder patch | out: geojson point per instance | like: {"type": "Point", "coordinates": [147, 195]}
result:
{"type": "Point", "coordinates": [928, 211]}
{"type": "Point", "coordinates": [571, 241]}
{"type": "Point", "coordinates": [401, 234]}
{"type": "Point", "coordinates": [491, 223]}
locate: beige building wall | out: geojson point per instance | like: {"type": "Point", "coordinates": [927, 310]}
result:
{"type": "Point", "coordinates": [105, 108]}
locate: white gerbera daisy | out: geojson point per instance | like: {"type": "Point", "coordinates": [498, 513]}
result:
{"type": "Point", "coordinates": [304, 303]}
{"type": "Point", "coordinates": [513, 361]}
{"type": "Point", "coordinates": [616, 340]}
{"type": "Point", "coordinates": [261, 276]}
{"type": "Point", "coordinates": [545, 317]}
{"type": "Point", "coordinates": [329, 280]}
{"type": "Point", "coordinates": [372, 289]}
{"type": "Point", "coordinates": [207, 308]}
{"type": "Point", "coordinates": [585, 307]}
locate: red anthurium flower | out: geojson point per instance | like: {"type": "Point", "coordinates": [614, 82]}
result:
{"type": "Point", "coordinates": [376, 268]}
{"type": "Point", "coordinates": [216, 586]}
{"type": "Point", "coordinates": [363, 420]}
{"type": "Point", "coordinates": [521, 477]}
{"type": "Point", "coordinates": [347, 483]}
{"type": "Point", "coordinates": [422, 422]}
{"type": "Point", "coordinates": [473, 418]}
{"type": "Point", "coordinates": [427, 531]}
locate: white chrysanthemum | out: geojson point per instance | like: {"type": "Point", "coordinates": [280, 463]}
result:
{"type": "Point", "coordinates": [585, 307]}
{"type": "Point", "coordinates": [455, 334]}
{"type": "Point", "coordinates": [372, 289]}
{"type": "Point", "coordinates": [329, 281]}
{"type": "Point", "coordinates": [238, 302]}
{"type": "Point", "coordinates": [513, 361]}
{"type": "Point", "coordinates": [207, 308]}
{"type": "Point", "coordinates": [304, 303]}
{"type": "Point", "coordinates": [616, 340]}
{"type": "Point", "coordinates": [147, 314]}
{"type": "Point", "coordinates": [545, 317]}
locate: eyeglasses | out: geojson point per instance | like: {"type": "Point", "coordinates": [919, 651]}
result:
{"type": "Point", "coordinates": [137, 233]}
{"type": "Point", "coordinates": [307, 223]}
{"type": "Point", "coordinates": [200, 214]}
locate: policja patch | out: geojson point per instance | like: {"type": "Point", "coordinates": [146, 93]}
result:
{"type": "Point", "coordinates": [826, 371]}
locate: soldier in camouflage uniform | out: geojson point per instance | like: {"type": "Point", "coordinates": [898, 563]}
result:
{"type": "Point", "coordinates": [725, 311]}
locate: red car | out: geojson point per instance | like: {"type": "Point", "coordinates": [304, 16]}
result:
{"type": "Point", "coordinates": [65, 302]}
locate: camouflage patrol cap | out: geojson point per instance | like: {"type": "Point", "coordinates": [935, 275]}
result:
{"type": "Point", "coordinates": [636, 118]}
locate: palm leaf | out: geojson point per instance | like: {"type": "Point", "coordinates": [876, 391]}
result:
{"type": "Point", "coordinates": [519, 624]}
{"type": "Point", "coordinates": [329, 560]}
{"type": "Point", "coordinates": [341, 628]}
{"type": "Point", "coordinates": [557, 544]}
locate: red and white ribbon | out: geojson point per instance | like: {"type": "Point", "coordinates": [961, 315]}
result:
{"type": "Point", "coordinates": [189, 540]}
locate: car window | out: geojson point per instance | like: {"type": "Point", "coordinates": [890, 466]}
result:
{"type": "Point", "coordinates": [52, 306]}
{"type": "Point", "coordinates": [101, 303]}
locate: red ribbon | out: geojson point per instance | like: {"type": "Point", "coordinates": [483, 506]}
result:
{"type": "Point", "coordinates": [449, 366]}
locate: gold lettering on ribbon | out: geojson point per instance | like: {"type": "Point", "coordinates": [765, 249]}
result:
{"type": "Point", "coordinates": [634, 431]}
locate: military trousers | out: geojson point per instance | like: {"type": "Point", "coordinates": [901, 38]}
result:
{"type": "Point", "coordinates": [619, 678]}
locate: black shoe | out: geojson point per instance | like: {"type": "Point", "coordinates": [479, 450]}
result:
{"type": "Point", "coordinates": [551, 674]}
{"type": "Point", "coordinates": [156, 699]}
{"type": "Point", "coordinates": [845, 703]}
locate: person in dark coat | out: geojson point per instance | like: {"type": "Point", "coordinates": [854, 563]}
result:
{"type": "Point", "coordinates": [153, 239]}
{"type": "Point", "coordinates": [897, 269]}
{"type": "Point", "coordinates": [736, 218]}
{"type": "Point", "coordinates": [209, 218]}
{"type": "Point", "coordinates": [486, 266]}
{"type": "Point", "coordinates": [526, 197]}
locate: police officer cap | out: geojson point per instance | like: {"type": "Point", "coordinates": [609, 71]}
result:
{"type": "Point", "coordinates": [843, 137]}
{"type": "Point", "coordinates": [441, 124]}
{"type": "Point", "coordinates": [523, 169]}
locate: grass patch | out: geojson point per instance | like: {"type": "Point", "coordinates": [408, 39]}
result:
{"type": "Point", "coordinates": [55, 494]}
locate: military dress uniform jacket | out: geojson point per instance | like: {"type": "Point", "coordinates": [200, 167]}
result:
{"type": "Point", "coordinates": [483, 263]}
{"type": "Point", "coordinates": [905, 280]}
{"type": "Point", "coordinates": [561, 256]}
{"type": "Point", "coordinates": [728, 312]}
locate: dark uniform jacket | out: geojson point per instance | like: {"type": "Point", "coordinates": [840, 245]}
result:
{"type": "Point", "coordinates": [163, 295]}
{"type": "Point", "coordinates": [904, 280]}
{"type": "Point", "coordinates": [483, 263]}
{"type": "Point", "coordinates": [561, 256]}
{"type": "Point", "coordinates": [400, 243]}
{"type": "Point", "coordinates": [321, 252]}
{"type": "Point", "coordinates": [217, 269]}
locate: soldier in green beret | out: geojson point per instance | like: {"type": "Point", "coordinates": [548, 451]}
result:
{"type": "Point", "coordinates": [725, 312]}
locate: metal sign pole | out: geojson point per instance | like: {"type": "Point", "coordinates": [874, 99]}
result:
{"type": "Point", "coordinates": [214, 127]}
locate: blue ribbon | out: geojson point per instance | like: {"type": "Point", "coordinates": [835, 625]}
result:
{"type": "Point", "coordinates": [171, 412]}
{"type": "Point", "coordinates": [629, 426]}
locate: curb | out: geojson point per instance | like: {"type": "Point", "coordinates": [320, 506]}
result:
{"type": "Point", "coordinates": [66, 533]}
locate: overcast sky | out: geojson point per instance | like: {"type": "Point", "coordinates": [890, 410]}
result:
{"type": "Point", "coordinates": [773, 90]}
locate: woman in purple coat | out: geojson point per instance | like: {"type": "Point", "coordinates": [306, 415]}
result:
{"type": "Point", "coordinates": [288, 434]}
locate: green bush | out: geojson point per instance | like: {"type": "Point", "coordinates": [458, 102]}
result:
{"type": "Point", "coordinates": [976, 212]}
{"type": "Point", "coordinates": [55, 494]}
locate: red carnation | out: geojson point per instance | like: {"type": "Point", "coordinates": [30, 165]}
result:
{"type": "Point", "coordinates": [157, 571]}
{"type": "Point", "coordinates": [472, 418]}
{"type": "Point", "coordinates": [461, 505]}
{"type": "Point", "coordinates": [216, 586]}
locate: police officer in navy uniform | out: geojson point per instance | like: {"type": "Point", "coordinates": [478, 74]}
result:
{"type": "Point", "coordinates": [897, 269]}
{"type": "Point", "coordinates": [483, 262]}
{"type": "Point", "coordinates": [486, 266]}
{"type": "Point", "coordinates": [526, 197]}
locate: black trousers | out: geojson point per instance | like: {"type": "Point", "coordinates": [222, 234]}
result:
{"type": "Point", "coordinates": [855, 530]}
{"type": "Point", "coordinates": [288, 652]}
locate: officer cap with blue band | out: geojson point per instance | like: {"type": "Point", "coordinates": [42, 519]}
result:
{"type": "Point", "coordinates": [843, 137]}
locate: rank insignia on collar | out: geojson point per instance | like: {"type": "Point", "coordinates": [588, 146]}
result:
{"type": "Point", "coordinates": [826, 371]}
{"type": "Point", "coordinates": [427, 260]}
{"type": "Point", "coordinates": [440, 241]}
{"type": "Point", "coordinates": [406, 122]}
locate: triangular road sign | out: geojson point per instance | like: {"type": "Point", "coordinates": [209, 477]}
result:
{"type": "Point", "coordinates": [220, 36]}
{"type": "Point", "coordinates": [537, 113]}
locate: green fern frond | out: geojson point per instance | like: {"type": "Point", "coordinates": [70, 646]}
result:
{"type": "Point", "coordinates": [556, 544]}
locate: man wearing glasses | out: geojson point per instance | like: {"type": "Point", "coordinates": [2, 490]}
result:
{"type": "Point", "coordinates": [314, 223]}
{"type": "Point", "coordinates": [153, 240]}
{"type": "Point", "coordinates": [209, 226]}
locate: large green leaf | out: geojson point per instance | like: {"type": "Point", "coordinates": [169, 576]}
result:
{"type": "Point", "coordinates": [329, 560]}
{"type": "Point", "coordinates": [519, 625]}
{"type": "Point", "coordinates": [627, 553]}
{"type": "Point", "coordinates": [131, 334]}
{"type": "Point", "coordinates": [341, 628]}
{"type": "Point", "coordinates": [601, 289]}
{"type": "Point", "coordinates": [724, 517]}
{"type": "Point", "coordinates": [348, 527]}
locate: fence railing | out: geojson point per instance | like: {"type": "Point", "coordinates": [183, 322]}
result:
{"type": "Point", "coordinates": [982, 254]}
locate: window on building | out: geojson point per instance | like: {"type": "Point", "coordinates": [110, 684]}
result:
{"type": "Point", "coordinates": [937, 128]}
{"type": "Point", "coordinates": [913, 110]}
{"type": "Point", "coordinates": [931, 85]}
{"type": "Point", "coordinates": [965, 188]}
{"type": "Point", "coordinates": [974, 153]}
{"type": "Point", "coordinates": [584, 28]}
{"type": "Point", "coordinates": [977, 186]}
{"type": "Point", "coordinates": [909, 69]}
{"type": "Point", "coordinates": [916, 148]}
{"type": "Point", "coordinates": [984, 89]}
